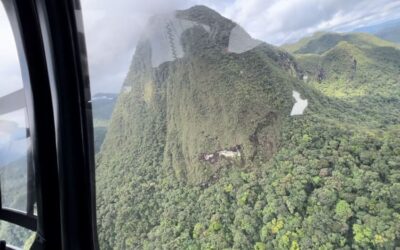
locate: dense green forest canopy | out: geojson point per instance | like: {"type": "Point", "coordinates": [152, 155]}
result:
{"type": "Point", "coordinates": [328, 179]}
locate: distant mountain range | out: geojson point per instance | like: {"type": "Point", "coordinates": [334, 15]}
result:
{"type": "Point", "coordinates": [102, 108]}
{"type": "Point", "coordinates": [356, 58]}
{"type": "Point", "coordinates": [13, 142]}
{"type": "Point", "coordinates": [103, 105]}
{"type": "Point", "coordinates": [389, 30]}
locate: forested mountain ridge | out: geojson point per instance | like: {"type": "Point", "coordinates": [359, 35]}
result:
{"type": "Point", "coordinates": [320, 42]}
{"type": "Point", "coordinates": [202, 153]}
{"type": "Point", "coordinates": [348, 65]}
{"type": "Point", "coordinates": [207, 101]}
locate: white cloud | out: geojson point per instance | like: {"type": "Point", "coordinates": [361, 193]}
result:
{"type": "Point", "coordinates": [281, 21]}
{"type": "Point", "coordinates": [113, 28]}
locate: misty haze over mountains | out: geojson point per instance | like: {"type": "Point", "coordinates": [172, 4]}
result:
{"type": "Point", "coordinates": [388, 30]}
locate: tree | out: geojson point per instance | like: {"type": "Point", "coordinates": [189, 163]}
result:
{"type": "Point", "coordinates": [343, 210]}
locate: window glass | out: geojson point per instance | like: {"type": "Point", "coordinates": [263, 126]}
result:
{"type": "Point", "coordinates": [14, 146]}
{"type": "Point", "coordinates": [246, 124]}
{"type": "Point", "coordinates": [14, 130]}
{"type": "Point", "coordinates": [16, 236]}
{"type": "Point", "coordinates": [14, 137]}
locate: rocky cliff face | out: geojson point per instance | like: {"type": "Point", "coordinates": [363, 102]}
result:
{"type": "Point", "coordinates": [199, 85]}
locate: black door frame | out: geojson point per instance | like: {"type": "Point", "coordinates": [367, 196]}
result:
{"type": "Point", "coordinates": [69, 81]}
{"type": "Point", "coordinates": [50, 42]}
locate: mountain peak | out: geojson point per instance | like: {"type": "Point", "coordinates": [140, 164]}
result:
{"type": "Point", "coordinates": [171, 36]}
{"type": "Point", "coordinates": [192, 69]}
{"type": "Point", "coordinates": [204, 15]}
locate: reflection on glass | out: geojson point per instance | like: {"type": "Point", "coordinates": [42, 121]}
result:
{"type": "Point", "coordinates": [16, 236]}
{"type": "Point", "coordinates": [16, 184]}
{"type": "Point", "coordinates": [300, 105]}
{"type": "Point", "coordinates": [14, 145]}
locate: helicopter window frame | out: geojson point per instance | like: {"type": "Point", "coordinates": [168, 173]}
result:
{"type": "Point", "coordinates": [51, 46]}
{"type": "Point", "coordinates": [9, 103]}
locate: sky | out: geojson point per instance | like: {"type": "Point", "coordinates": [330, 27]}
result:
{"type": "Point", "coordinates": [10, 72]}
{"type": "Point", "coordinates": [113, 28]}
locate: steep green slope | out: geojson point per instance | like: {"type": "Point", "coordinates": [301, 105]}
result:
{"type": "Point", "coordinates": [202, 153]}
{"type": "Point", "coordinates": [177, 118]}
{"type": "Point", "coordinates": [207, 101]}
